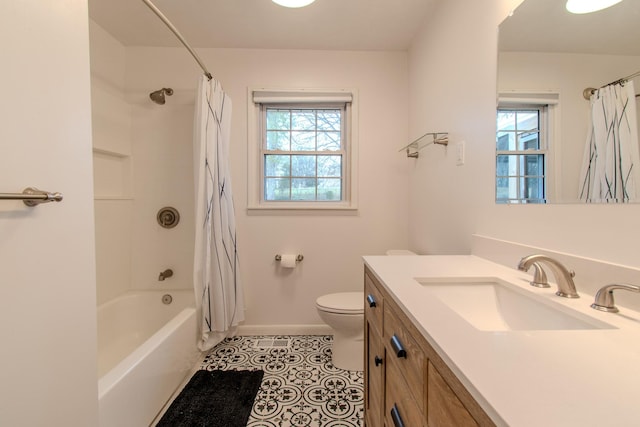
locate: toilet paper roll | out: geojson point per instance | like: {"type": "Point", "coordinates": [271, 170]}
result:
{"type": "Point", "coordinates": [288, 261]}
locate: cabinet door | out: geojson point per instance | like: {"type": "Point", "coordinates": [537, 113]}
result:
{"type": "Point", "coordinates": [444, 409]}
{"type": "Point", "coordinates": [405, 351]}
{"type": "Point", "coordinates": [400, 407]}
{"type": "Point", "coordinates": [374, 378]}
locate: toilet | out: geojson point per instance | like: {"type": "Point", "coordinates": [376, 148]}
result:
{"type": "Point", "coordinates": [344, 313]}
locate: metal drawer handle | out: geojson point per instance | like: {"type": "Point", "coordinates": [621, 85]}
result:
{"type": "Point", "coordinates": [397, 347]}
{"type": "Point", "coordinates": [395, 416]}
{"type": "Point", "coordinates": [371, 300]}
{"type": "Point", "coordinates": [377, 360]}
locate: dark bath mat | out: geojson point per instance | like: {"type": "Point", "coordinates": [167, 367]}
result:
{"type": "Point", "coordinates": [214, 399]}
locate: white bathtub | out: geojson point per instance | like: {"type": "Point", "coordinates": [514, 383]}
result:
{"type": "Point", "coordinates": [145, 350]}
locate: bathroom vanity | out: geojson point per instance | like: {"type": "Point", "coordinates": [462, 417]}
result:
{"type": "Point", "coordinates": [407, 383]}
{"type": "Point", "coordinates": [436, 353]}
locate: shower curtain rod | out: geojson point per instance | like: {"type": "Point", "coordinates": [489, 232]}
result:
{"type": "Point", "coordinates": [625, 79]}
{"type": "Point", "coordinates": [175, 31]}
{"type": "Point", "coordinates": [591, 90]}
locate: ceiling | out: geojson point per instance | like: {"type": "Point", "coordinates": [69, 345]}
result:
{"type": "Point", "coordinates": [325, 24]}
{"type": "Point", "coordinates": [546, 26]}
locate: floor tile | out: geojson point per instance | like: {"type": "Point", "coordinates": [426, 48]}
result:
{"type": "Point", "coordinates": [301, 387]}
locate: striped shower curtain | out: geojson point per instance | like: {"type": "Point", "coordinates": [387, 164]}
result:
{"type": "Point", "coordinates": [611, 163]}
{"type": "Point", "coordinates": [219, 298]}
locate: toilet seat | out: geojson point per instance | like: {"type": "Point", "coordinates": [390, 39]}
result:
{"type": "Point", "coordinates": [342, 303]}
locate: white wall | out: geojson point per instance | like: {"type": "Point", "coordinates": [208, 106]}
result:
{"type": "Point", "coordinates": [331, 243]}
{"type": "Point", "coordinates": [452, 66]}
{"type": "Point", "coordinates": [47, 310]}
{"type": "Point", "coordinates": [568, 75]}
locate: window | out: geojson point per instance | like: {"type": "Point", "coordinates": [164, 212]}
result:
{"type": "Point", "coordinates": [521, 154]}
{"type": "Point", "coordinates": [304, 150]}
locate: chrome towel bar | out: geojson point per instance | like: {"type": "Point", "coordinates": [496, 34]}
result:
{"type": "Point", "coordinates": [439, 138]}
{"type": "Point", "coordinates": [31, 196]}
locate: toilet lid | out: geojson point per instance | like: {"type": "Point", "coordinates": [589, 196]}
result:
{"type": "Point", "coordinates": [343, 302]}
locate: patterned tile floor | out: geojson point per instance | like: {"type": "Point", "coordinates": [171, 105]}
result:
{"type": "Point", "coordinates": [300, 386]}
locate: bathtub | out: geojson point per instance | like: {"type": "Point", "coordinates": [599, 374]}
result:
{"type": "Point", "coordinates": [145, 351]}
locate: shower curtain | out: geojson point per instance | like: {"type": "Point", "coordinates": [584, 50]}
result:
{"type": "Point", "coordinates": [219, 298]}
{"type": "Point", "coordinates": [611, 162]}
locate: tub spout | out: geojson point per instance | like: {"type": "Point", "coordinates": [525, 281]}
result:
{"type": "Point", "coordinates": [165, 274]}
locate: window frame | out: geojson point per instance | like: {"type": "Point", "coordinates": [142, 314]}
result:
{"type": "Point", "coordinates": [548, 105]}
{"type": "Point", "coordinates": [542, 150]}
{"type": "Point", "coordinates": [259, 99]}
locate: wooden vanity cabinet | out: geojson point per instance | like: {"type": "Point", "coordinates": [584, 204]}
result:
{"type": "Point", "coordinates": [406, 382]}
{"type": "Point", "coordinates": [374, 355]}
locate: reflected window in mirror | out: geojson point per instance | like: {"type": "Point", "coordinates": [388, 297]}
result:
{"type": "Point", "coordinates": [544, 49]}
{"type": "Point", "coordinates": [521, 153]}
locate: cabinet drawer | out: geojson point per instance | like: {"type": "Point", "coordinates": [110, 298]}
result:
{"type": "Point", "coordinates": [399, 399]}
{"type": "Point", "coordinates": [373, 304]}
{"type": "Point", "coordinates": [444, 409]}
{"type": "Point", "coordinates": [412, 361]}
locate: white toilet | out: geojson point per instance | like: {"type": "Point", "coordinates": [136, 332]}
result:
{"type": "Point", "coordinates": [344, 313]}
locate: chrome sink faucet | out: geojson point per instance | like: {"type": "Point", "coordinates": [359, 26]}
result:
{"type": "Point", "coordinates": [604, 297]}
{"type": "Point", "coordinates": [563, 276]}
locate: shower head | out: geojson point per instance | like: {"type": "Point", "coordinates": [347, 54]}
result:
{"type": "Point", "coordinates": [158, 95]}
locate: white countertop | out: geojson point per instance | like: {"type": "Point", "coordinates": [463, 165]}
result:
{"type": "Point", "coordinates": [525, 378]}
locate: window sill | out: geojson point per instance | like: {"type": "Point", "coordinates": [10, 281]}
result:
{"type": "Point", "coordinates": [346, 208]}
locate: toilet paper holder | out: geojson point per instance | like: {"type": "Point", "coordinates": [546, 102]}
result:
{"type": "Point", "coordinates": [299, 258]}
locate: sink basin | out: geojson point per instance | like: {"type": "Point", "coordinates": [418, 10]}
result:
{"type": "Point", "coordinates": [490, 304]}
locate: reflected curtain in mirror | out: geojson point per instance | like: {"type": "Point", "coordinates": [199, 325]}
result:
{"type": "Point", "coordinates": [610, 169]}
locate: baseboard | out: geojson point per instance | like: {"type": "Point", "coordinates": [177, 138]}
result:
{"type": "Point", "coordinates": [284, 330]}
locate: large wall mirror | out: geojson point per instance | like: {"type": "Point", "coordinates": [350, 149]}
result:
{"type": "Point", "coordinates": [547, 58]}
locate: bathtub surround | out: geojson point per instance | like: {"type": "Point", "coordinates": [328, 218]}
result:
{"type": "Point", "coordinates": [217, 286]}
{"type": "Point", "coordinates": [214, 398]}
{"type": "Point", "coordinates": [141, 153]}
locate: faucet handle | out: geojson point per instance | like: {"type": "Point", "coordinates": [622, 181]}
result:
{"type": "Point", "coordinates": [604, 297]}
{"type": "Point", "coordinates": [539, 277]}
